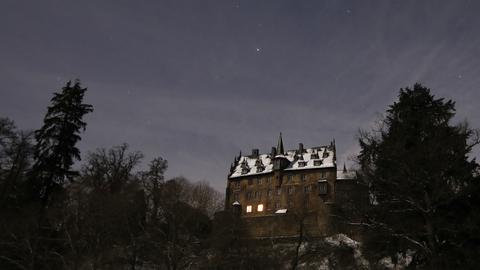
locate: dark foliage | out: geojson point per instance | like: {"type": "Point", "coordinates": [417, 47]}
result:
{"type": "Point", "coordinates": [422, 183]}
{"type": "Point", "coordinates": [56, 151]}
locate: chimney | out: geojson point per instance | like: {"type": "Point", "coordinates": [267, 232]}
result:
{"type": "Point", "coordinates": [254, 153]}
{"type": "Point", "coordinates": [300, 148]}
{"type": "Point", "coordinates": [274, 152]}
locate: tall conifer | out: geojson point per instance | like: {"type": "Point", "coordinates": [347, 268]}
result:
{"type": "Point", "coordinates": [418, 170]}
{"type": "Point", "coordinates": [56, 149]}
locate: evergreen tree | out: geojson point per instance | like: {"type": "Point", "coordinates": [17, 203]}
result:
{"type": "Point", "coordinates": [56, 149]}
{"type": "Point", "coordinates": [421, 180]}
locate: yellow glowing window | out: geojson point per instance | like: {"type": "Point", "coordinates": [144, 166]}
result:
{"type": "Point", "coordinates": [260, 208]}
{"type": "Point", "coordinates": [249, 208]}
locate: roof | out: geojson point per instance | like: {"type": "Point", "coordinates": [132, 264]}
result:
{"type": "Point", "coordinates": [310, 158]}
{"type": "Point", "coordinates": [346, 175]}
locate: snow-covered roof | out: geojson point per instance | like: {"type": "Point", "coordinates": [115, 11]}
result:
{"type": "Point", "coordinates": [281, 211]}
{"type": "Point", "coordinates": [236, 203]}
{"type": "Point", "coordinates": [310, 158]}
{"type": "Point", "coordinates": [346, 175]}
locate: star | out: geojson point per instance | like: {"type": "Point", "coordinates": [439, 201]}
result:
{"type": "Point", "coordinates": [257, 49]}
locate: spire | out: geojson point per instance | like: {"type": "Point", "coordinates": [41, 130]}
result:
{"type": "Point", "coordinates": [280, 150]}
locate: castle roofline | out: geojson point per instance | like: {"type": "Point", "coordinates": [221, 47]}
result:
{"type": "Point", "coordinates": [318, 157]}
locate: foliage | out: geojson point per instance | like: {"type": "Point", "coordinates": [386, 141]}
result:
{"type": "Point", "coordinates": [56, 150]}
{"type": "Point", "coordinates": [420, 178]}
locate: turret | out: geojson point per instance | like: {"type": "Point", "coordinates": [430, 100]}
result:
{"type": "Point", "coordinates": [280, 150]}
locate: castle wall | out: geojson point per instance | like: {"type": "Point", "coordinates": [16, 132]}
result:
{"type": "Point", "coordinates": [282, 190]}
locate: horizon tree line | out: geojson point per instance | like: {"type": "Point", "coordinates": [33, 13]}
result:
{"type": "Point", "coordinates": [423, 191]}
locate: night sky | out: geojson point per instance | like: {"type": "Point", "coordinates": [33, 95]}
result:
{"type": "Point", "coordinates": [197, 81]}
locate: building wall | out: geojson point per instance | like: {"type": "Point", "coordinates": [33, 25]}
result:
{"type": "Point", "coordinates": [298, 191]}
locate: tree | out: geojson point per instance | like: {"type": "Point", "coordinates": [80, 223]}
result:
{"type": "Point", "coordinates": [56, 150]}
{"type": "Point", "coordinates": [106, 211]}
{"type": "Point", "coordinates": [153, 179]}
{"type": "Point", "coordinates": [419, 175]}
{"type": "Point", "coordinates": [15, 158]}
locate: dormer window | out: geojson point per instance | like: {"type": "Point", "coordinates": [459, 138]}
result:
{"type": "Point", "coordinates": [314, 156]}
{"type": "Point", "coordinates": [317, 162]}
{"type": "Point", "coordinates": [302, 164]}
{"type": "Point", "coordinates": [260, 169]}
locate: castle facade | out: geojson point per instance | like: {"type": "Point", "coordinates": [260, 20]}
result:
{"type": "Point", "coordinates": [276, 193]}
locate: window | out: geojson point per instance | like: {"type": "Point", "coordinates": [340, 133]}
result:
{"type": "Point", "coordinates": [235, 196]}
{"type": "Point", "coordinates": [279, 191]}
{"type": "Point", "coordinates": [269, 193]}
{"type": "Point", "coordinates": [249, 195]}
{"type": "Point", "coordinates": [290, 190]}
{"type": "Point", "coordinates": [322, 188]}
{"type": "Point", "coordinates": [258, 194]}
{"type": "Point", "coordinates": [249, 209]}
{"type": "Point", "coordinates": [269, 180]}
{"type": "Point", "coordinates": [250, 181]}
{"type": "Point", "coordinates": [289, 179]}
{"type": "Point", "coordinates": [277, 205]}
{"type": "Point", "coordinates": [260, 208]}
{"type": "Point", "coordinates": [307, 189]}
{"type": "Point", "coordinates": [259, 181]}
{"type": "Point", "coordinates": [302, 177]}
{"type": "Point", "coordinates": [302, 164]}
{"type": "Point", "coordinates": [324, 174]}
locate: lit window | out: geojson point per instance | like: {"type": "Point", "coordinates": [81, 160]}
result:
{"type": "Point", "coordinates": [260, 208]}
{"type": "Point", "coordinates": [249, 208]}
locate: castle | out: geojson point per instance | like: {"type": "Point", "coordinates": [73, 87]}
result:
{"type": "Point", "coordinates": [273, 193]}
